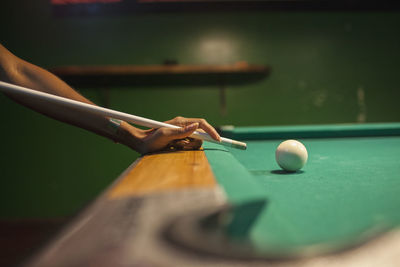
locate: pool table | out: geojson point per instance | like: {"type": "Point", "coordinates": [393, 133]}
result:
{"type": "Point", "coordinates": [225, 207]}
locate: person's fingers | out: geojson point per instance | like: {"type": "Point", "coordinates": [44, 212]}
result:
{"type": "Point", "coordinates": [203, 124]}
{"type": "Point", "coordinates": [170, 134]}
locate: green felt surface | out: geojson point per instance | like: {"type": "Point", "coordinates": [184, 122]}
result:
{"type": "Point", "coordinates": [232, 174]}
{"type": "Point", "coordinates": [349, 186]}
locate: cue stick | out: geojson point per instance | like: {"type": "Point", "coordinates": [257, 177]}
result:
{"type": "Point", "coordinates": [19, 90]}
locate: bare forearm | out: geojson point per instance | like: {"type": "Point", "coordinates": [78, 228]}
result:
{"type": "Point", "coordinates": [17, 71]}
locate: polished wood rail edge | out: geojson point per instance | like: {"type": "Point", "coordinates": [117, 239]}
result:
{"type": "Point", "coordinates": [239, 67]}
{"type": "Point", "coordinates": [164, 172]}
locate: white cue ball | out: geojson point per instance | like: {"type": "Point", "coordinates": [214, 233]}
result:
{"type": "Point", "coordinates": [291, 155]}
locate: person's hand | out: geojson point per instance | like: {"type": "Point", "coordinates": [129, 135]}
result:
{"type": "Point", "coordinates": [146, 141]}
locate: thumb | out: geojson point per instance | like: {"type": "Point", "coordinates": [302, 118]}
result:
{"type": "Point", "coordinates": [180, 133]}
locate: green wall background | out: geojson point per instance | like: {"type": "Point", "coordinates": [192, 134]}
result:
{"type": "Point", "coordinates": [328, 67]}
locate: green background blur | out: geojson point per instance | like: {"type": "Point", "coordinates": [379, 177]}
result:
{"type": "Point", "coordinates": [328, 67]}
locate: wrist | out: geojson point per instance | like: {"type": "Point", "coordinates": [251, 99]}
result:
{"type": "Point", "coordinates": [128, 135]}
